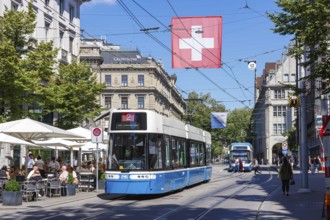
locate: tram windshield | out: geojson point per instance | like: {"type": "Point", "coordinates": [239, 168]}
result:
{"type": "Point", "coordinates": [135, 152]}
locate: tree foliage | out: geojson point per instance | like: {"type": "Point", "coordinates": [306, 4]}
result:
{"type": "Point", "coordinates": [25, 66]}
{"type": "Point", "coordinates": [75, 90]}
{"type": "Point", "coordinates": [308, 22]}
{"type": "Point", "coordinates": [198, 114]}
{"type": "Point", "coordinates": [30, 79]}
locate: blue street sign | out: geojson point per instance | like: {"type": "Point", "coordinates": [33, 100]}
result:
{"type": "Point", "coordinates": [284, 152]}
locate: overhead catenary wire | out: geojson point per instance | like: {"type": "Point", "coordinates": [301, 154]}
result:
{"type": "Point", "coordinates": [183, 60]}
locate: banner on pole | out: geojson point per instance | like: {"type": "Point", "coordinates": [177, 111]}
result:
{"type": "Point", "coordinates": [219, 119]}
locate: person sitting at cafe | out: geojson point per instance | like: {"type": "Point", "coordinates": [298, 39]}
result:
{"type": "Point", "coordinates": [4, 174]}
{"type": "Point", "coordinates": [35, 167]}
{"type": "Point", "coordinates": [83, 169]}
{"type": "Point", "coordinates": [36, 176]}
{"type": "Point", "coordinates": [63, 175]}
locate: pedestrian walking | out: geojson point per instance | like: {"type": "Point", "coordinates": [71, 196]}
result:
{"type": "Point", "coordinates": [317, 163]}
{"type": "Point", "coordinates": [256, 166]}
{"type": "Point", "coordinates": [285, 175]}
{"type": "Point", "coordinates": [312, 165]}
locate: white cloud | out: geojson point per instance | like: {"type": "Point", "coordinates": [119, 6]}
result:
{"type": "Point", "coordinates": [110, 2]}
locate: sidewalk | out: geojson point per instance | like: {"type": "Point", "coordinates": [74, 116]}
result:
{"type": "Point", "coordinates": [297, 205]}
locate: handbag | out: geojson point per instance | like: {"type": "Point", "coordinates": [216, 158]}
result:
{"type": "Point", "coordinates": [292, 182]}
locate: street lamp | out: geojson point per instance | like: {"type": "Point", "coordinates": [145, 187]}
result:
{"type": "Point", "coordinates": [252, 65]}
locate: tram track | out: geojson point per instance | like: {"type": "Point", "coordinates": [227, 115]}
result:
{"type": "Point", "coordinates": [237, 189]}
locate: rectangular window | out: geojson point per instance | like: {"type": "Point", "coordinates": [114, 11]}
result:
{"type": "Point", "coordinates": [292, 77]}
{"type": "Point", "coordinates": [140, 80]}
{"type": "Point", "coordinates": [124, 80]}
{"type": "Point", "coordinates": [286, 77]}
{"type": "Point", "coordinates": [46, 2]}
{"type": "Point", "coordinates": [71, 45]}
{"type": "Point", "coordinates": [61, 7]}
{"type": "Point", "coordinates": [274, 128]}
{"type": "Point", "coordinates": [279, 94]}
{"type": "Point", "coordinates": [47, 27]}
{"type": "Point", "coordinates": [14, 6]}
{"type": "Point", "coordinates": [124, 102]}
{"type": "Point", "coordinates": [279, 129]}
{"type": "Point", "coordinates": [279, 110]}
{"type": "Point", "coordinates": [108, 80]}
{"type": "Point", "coordinates": [140, 102]}
{"type": "Point", "coordinates": [61, 39]}
{"type": "Point", "coordinates": [71, 13]}
{"type": "Point", "coordinates": [107, 102]}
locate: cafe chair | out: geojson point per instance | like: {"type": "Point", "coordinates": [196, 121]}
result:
{"type": "Point", "coordinates": [54, 187]}
{"type": "Point", "coordinates": [30, 190]}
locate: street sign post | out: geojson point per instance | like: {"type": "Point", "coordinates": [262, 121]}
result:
{"type": "Point", "coordinates": [97, 137]}
{"type": "Point", "coordinates": [285, 145]}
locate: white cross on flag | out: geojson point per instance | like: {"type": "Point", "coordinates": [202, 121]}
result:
{"type": "Point", "coordinates": [196, 42]}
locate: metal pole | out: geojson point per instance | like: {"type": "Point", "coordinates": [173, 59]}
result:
{"type": "Point", "coordinates": [303, 139]}
{"type": "Point", "coordinates": [255, 86]}
{"type": "Point", "coordinates": [97, 167]}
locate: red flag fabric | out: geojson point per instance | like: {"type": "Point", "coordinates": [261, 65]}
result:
{"type": "Point", "coordinates": [196, 42]}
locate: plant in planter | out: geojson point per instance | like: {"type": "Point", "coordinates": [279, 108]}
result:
{"type": "Point", "coordinates": [102, 181]}
{"type": "Point", "coordinates": [12, 194]}
{"type": "Point", "coordinates": [71, 185]}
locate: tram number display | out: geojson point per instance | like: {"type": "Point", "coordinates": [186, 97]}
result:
{"type": "Point", "coordinates": [129, 121]}
{"type": "Point", "coordinates": [128, 117]}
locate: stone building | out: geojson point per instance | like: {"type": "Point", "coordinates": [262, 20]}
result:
{"type": "Point", "coordinates": [132, 81]}
{"type": "Point", "coordinates": [272, 116]}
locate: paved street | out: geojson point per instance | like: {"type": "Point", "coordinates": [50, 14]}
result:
{"type": "Point", "coordinates": [226, 196]}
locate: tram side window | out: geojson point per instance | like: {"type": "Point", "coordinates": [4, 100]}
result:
{"type": "Point", "coordinates": [197, 152]}
{"type": "Point", "coordinates": [167, 152]}
{"type": "Point", "coordinates": [208, 154]}
{"type": "Point", "coordinates": [155, 152]}
{"type": "Point", "coordinates": [178, 153]}
{"type": "Point", "coordinates": [201, 154]}
{"type": "Point", "coordinates": [193, 152]}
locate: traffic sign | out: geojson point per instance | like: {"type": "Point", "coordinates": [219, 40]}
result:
{"type": "Point", "coordinates": [325, 130]}
{"type": "Point", "coordinates": [285, 152]}
{"type": "Point", "coordinates": [97, 135]}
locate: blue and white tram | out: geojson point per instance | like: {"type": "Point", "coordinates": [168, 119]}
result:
{"type": "Point", "coordinates": [240, 151]}
{"type": "Point", "coordinates": [153, 154]}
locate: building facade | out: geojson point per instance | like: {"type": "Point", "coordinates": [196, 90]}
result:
{"type": "Point", "coordinates": [272, 116]}
{"type": "Point", "coordinates": [57, 21]}
{"type": "Point", "coordinates": [132, 81]}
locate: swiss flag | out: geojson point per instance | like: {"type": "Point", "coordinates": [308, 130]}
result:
{"type": "Point", "coordinates": [196, 42]}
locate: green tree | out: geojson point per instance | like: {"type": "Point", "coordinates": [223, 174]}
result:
{"type": "Point", "coordinates": [308, 22]}
{"type": "Point", "coordinates": [238, 125]}
{"type": "Point", "coordinates": [199, 111]}
{"type": "Point", "coordinates": [25, 66]}
{"type": "Point", "coordinates": [75, 91]}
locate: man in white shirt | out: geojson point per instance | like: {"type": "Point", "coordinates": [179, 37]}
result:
{"type": "Point", "coordinates": [30, 163]}
{"type": "Point", "coordinates": [35, 167]}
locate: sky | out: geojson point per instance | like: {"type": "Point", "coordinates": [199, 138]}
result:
{"type": "Point", "coordinates": [246, 36]}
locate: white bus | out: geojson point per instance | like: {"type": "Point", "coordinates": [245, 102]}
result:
{"type": "Point", "coordinates": [240, 151]}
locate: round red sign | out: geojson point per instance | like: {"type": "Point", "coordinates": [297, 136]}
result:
{"type": "Point", "coordinates": [97, 132]}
